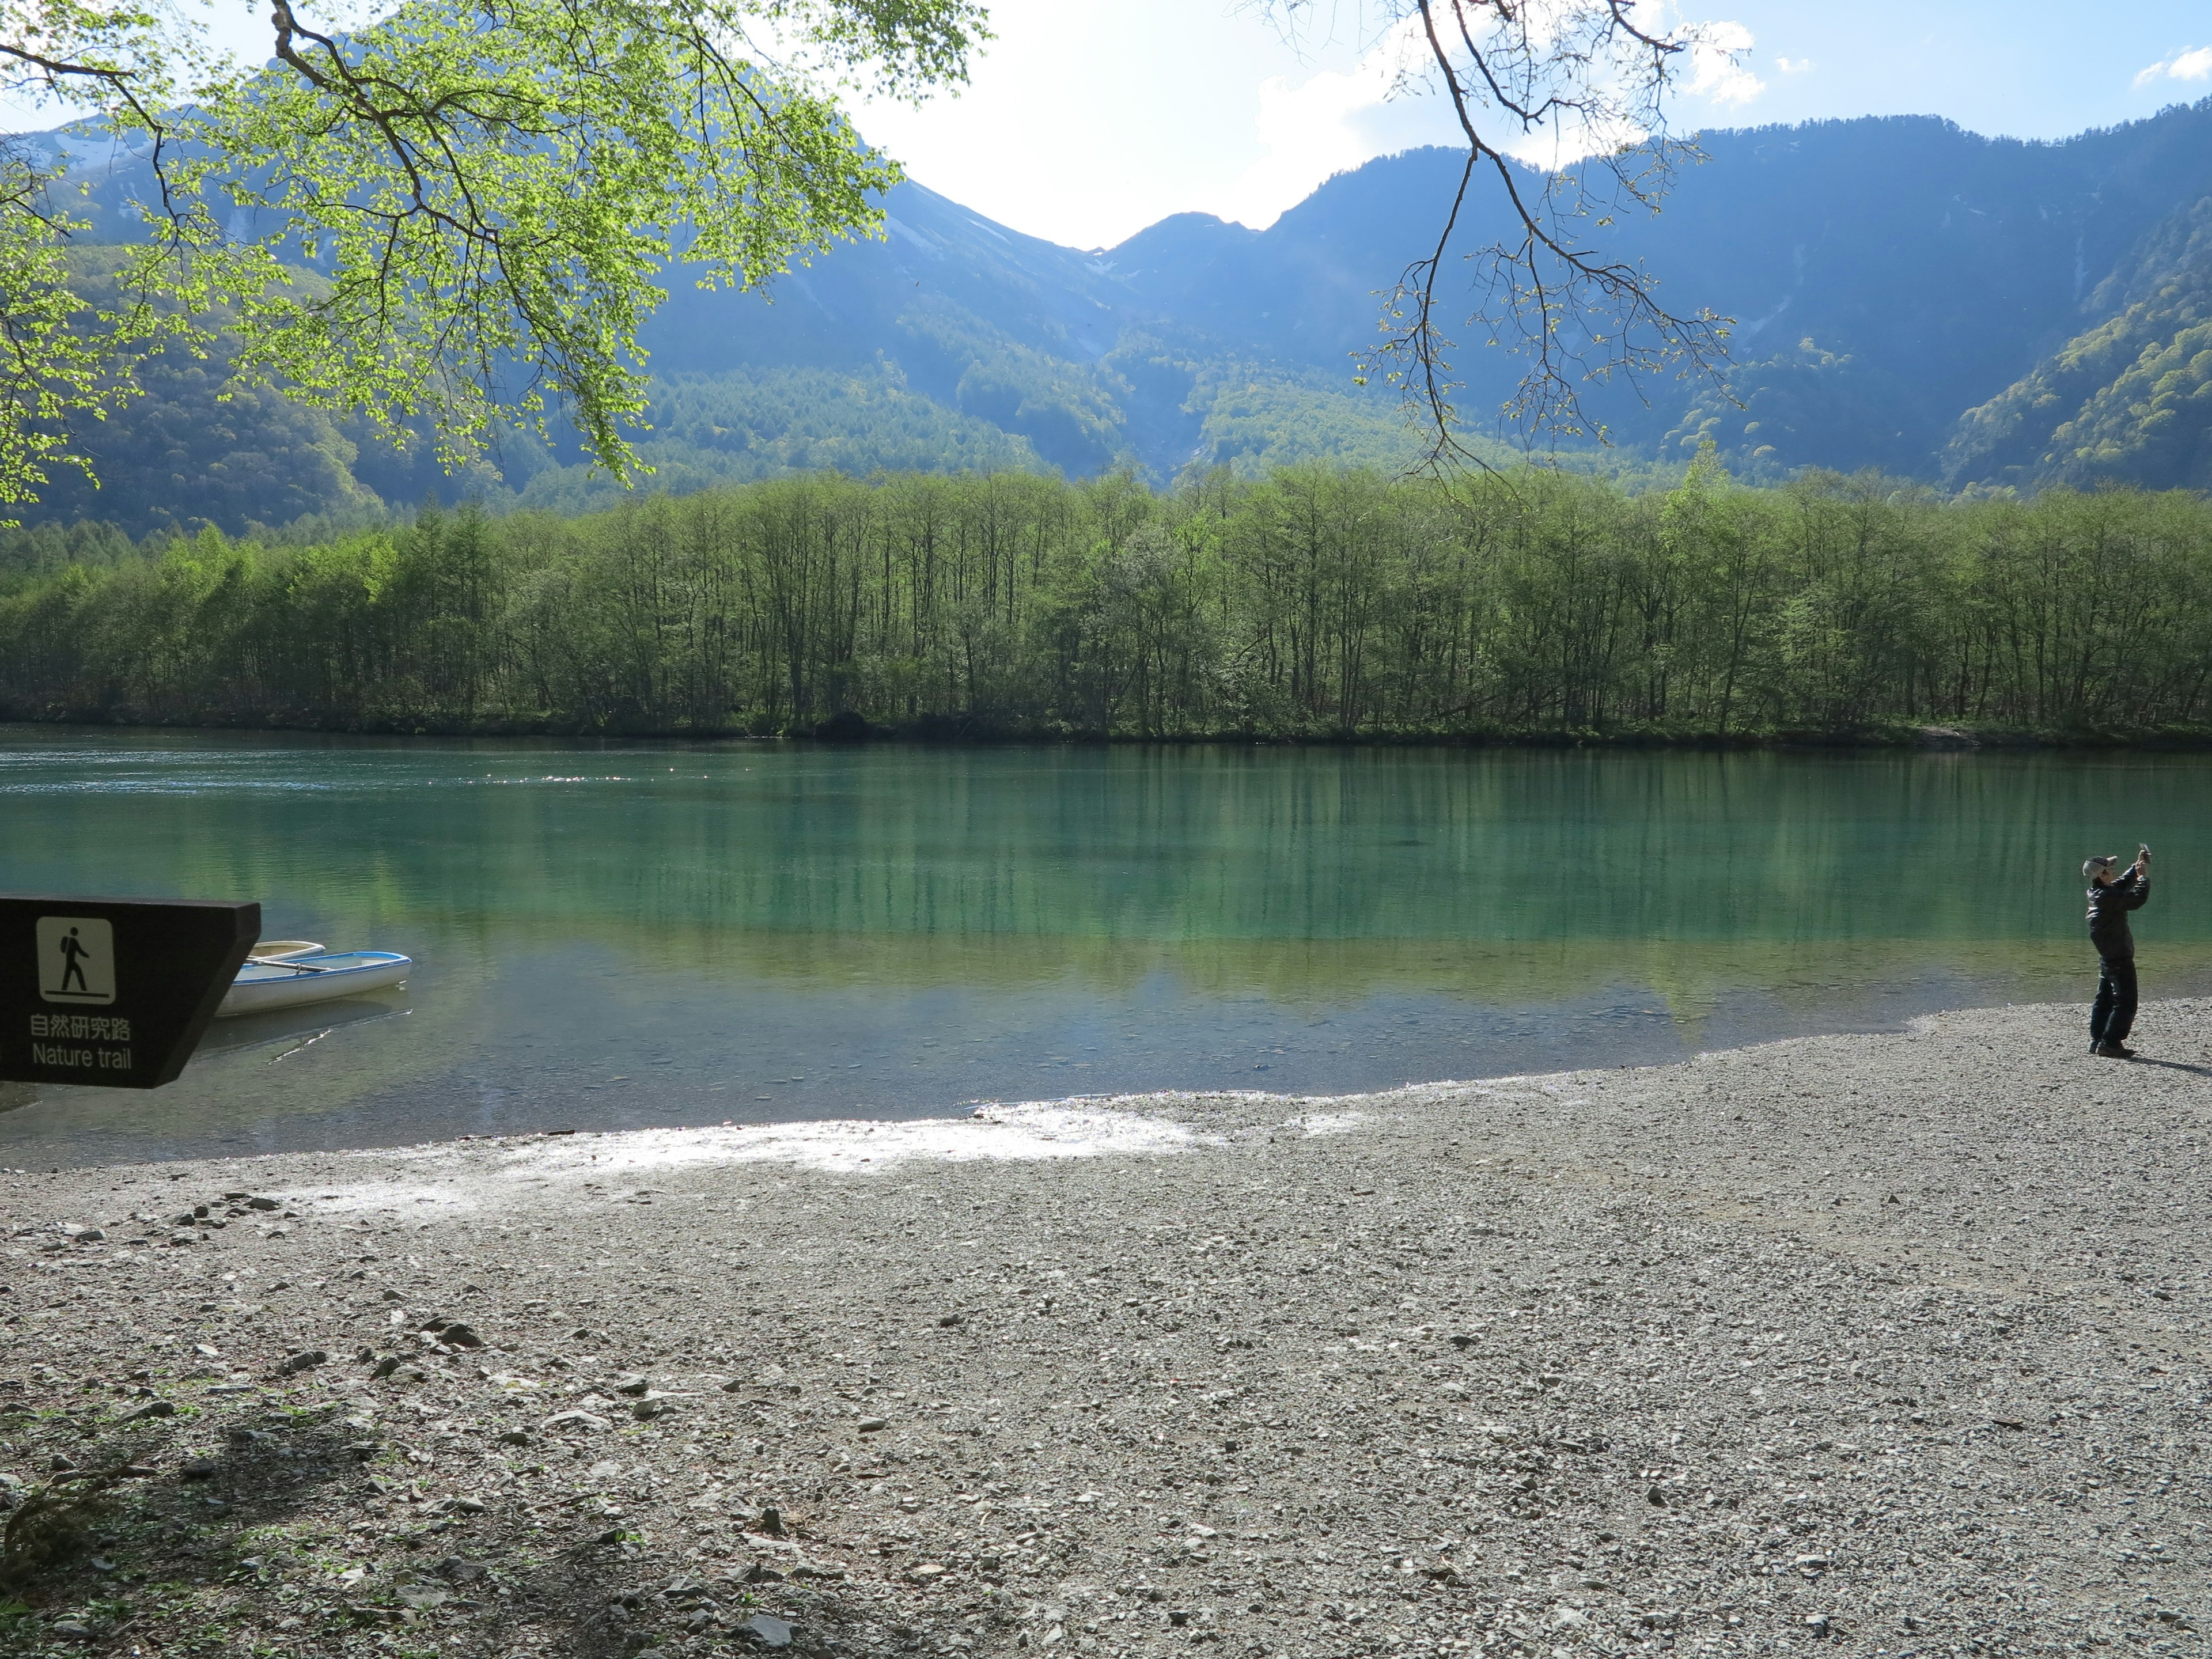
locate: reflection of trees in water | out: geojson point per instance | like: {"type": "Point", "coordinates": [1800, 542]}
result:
{"type": "Point", "coordinates": [1310, 876]}
{"type": "Point", "coordinates": [1322, 976]}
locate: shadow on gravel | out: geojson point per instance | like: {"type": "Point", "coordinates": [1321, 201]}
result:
{"type": "Point", "coordinates": [238, 1526]}
{"type": "Point", "coordinates": [115, 1504]}
{"type": "Point", "coordinates": [283, 1532]}
{"type": "Point", "coordinates": [2174, 1066]}
{"type": "Point", "coordinates": [509, 1594]}
{"type": "Point", "coordinates": [603, 1598]}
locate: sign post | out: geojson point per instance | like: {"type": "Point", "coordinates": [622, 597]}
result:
{"type": "Point", "coordinates": [115, 993]}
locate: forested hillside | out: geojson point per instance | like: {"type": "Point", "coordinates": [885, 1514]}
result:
{"type": "Point", "coordinates": [2130, 398]}
{"type": "Point", "coordinates": [1887, 275]}
{"type": "Point", "coordinates": [951, 344]}
{"type": "Point", "coordinates": [1911, 297]}
{"type": "Point", "coordinates": [1312, 602]}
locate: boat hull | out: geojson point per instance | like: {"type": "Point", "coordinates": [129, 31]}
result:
{"type": "Point", "coordinates": [263, 986]}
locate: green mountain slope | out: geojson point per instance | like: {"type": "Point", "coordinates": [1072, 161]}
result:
{"type": "Point", "coordinates": [2129, 400]}
{"type": "Point", "coordinates": [1911, 297]}
{"type": "Point", "coordinates": [200, 448]}
{"type": "Point", "coordinates": [1929, 267]}
{"type": "Point", "coordinates": [1783, 411]}
{"type": "Point", "coordinates": [752, 423]}
{"type": "Point", "coordinates": [951, 344]}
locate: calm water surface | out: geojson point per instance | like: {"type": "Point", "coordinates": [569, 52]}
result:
{"type": "Point", "coordinates": [613, 935]}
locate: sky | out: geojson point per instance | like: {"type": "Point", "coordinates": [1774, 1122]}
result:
{"type": "Point", "coordinates": [1086, 120]}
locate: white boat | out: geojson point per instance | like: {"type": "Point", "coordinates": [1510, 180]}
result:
{"type": "Point", "coordinates": [283, 949]}
{"type": "Point", "coordinates": [286, 973]}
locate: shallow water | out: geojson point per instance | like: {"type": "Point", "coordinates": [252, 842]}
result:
{"type": "Point", "coordinates": [616, 935]}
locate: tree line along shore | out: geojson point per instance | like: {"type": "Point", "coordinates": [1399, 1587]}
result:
{"type": "Point", "coordinates": [1312, 603]}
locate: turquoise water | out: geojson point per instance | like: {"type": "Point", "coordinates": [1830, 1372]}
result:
{"type": "Point", "coordinates": [620, 935]}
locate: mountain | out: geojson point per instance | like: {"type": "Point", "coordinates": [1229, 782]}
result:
{"type": "Point", "coordinates": [1052, 347]}
{"type": "Point", "coordinates": [1909, 296]}
{"type": "Point", "coordinates": [1887, 275]}
{"type": "Point", "coordinates": [2130, 399]}
{"type": "Point", "coordinates": [949, 343]}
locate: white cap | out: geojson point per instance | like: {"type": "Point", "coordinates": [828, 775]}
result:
{"type": "Point", "coordinates": [2103, 861]}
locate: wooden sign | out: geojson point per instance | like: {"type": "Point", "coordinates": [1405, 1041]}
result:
{"type": "Point", "coordinates": [115, 992]}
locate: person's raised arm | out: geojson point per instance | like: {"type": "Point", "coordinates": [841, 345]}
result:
{"type": "Point", "coordinates": [2136, 882]}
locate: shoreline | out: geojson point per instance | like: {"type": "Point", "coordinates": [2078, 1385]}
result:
{"type": "Point", "coordinates": [1898, 1341]}
{"type": "Point", "coordinates": [1904, 737]}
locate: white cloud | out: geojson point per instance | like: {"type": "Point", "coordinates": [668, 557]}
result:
{"type": "Point", "coordinates": [1717, 75]}
{"type": "Point", "coordinates": [2194, 63]}
{"type": "Point", "coordinates": [1334, 121]}
{"type": "Point", "coordinates": [1793, 65]}
{"type": "Point", "coordinates": [1717, 71]}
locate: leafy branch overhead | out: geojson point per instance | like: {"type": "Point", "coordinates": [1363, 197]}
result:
{"type": "Point", "coordinates": [1562, 105]}
{"type": "Point", "coordinates": [486, 194]}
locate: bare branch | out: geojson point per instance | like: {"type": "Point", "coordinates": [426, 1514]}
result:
{"type": "Point", "coordinates": [1584, 86]}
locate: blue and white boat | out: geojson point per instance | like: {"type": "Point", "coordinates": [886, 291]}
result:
{"type": "Point", "coordinates": [287, 972]}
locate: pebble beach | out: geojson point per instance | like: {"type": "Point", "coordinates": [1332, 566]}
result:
{"type": "Point", "coordinates": [1890, 1344]}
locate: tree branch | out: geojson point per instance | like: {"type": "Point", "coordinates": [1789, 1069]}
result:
{"type": "Point", "coordinates": [1569, 75]}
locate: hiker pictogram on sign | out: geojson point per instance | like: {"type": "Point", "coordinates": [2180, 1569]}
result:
{"type": "Point", "coordinates": [76, 959]}
{"type": "Point", "coordinates": [114, 993]}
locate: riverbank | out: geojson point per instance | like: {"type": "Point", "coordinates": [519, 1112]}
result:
{"type": "Point", "coordinates": [1893, 1342]}
{"type": "Point", "coordinates": [964, 732]}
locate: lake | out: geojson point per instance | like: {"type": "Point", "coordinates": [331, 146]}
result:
{"type": "Point", "coordinates": [620, 935]}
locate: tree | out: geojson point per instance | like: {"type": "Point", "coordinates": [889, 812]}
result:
{"type": "Point", "coordinates": [1584, 86]}
{"type": "Point", "coordinates": [455, 214]}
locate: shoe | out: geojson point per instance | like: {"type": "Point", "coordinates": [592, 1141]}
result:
{"type": "Point", "coordinates": [2115, 1051]}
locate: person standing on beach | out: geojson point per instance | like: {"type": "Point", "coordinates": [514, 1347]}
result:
{"type": "Point", "coordinates": [2113, 1015]}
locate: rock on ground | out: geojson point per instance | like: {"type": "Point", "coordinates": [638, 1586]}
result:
{"type": "Point", "coordinates": [1866, 1344]}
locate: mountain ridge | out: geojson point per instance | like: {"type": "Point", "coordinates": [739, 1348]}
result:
{"type": "Point", "coordinates": [1968, 311]}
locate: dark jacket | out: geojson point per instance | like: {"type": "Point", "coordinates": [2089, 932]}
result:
{"type": "Point", "coordinates": [2108, 913]}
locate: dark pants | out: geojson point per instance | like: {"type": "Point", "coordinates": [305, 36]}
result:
{"type": "Point", "coordinates": [2113, 1015]}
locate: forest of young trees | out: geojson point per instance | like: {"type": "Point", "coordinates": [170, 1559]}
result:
{"type": "Point", "coordinates": [1312, 603]}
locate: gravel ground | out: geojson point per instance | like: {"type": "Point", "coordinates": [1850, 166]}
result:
{"type": "Point", "coordinates": [1895, 1343]}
